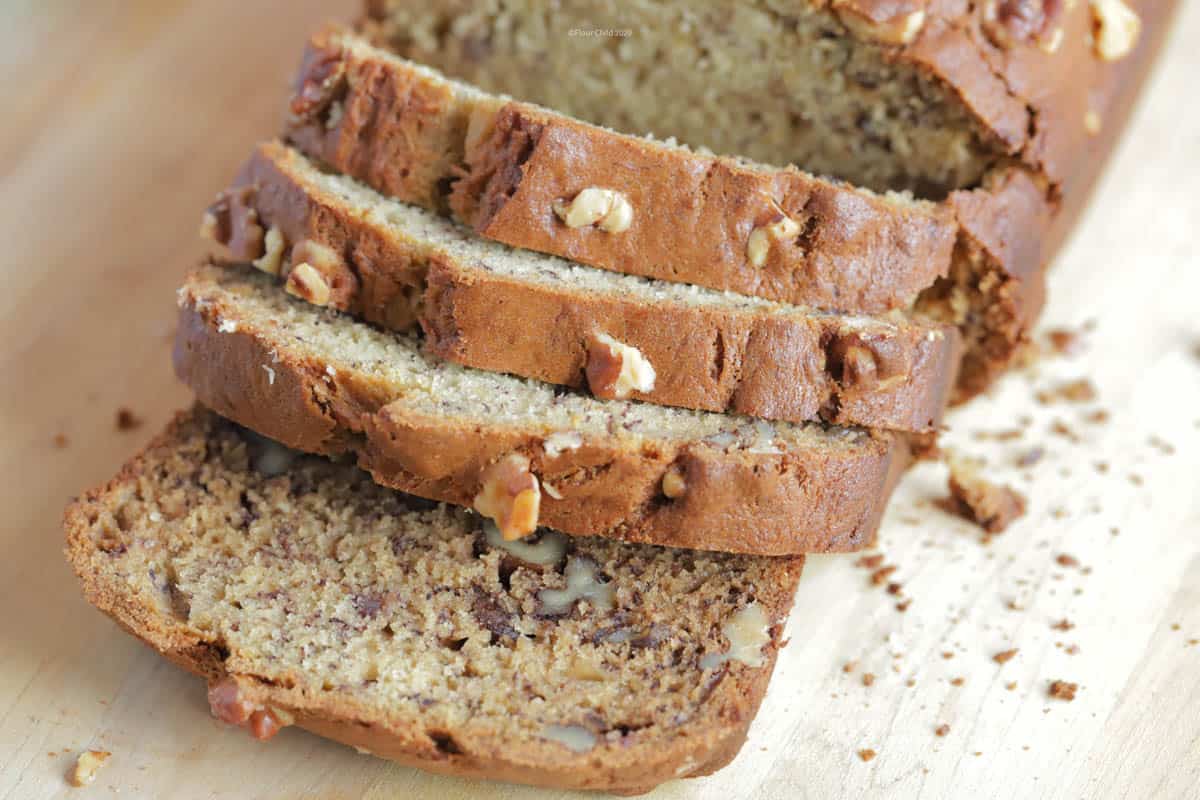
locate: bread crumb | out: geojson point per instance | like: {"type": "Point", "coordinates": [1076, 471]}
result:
{"type": "Point", "coordinates": [86, 766]}
{"type": "Point", "coordinates": [959, 681]}
{"type": "Point", "coordinates": [127, 420]}
{"type": "Point", "coordinates": [867, 754]}
{"type": "Point", "coordinates": [1066, 560]}
{"type": "Point", "coordinates": [1063, 690]}
{"type": "Point", "coordinates": [1076, 391]}
{"type": "Point", "coordinates": [849, 666]}
{"type": "Point", "coordinates": [1011, 685]}
{"type": "Point", "coordinates": [941, 730]}
{"type": "Point", "coordinates": [1004, 656]}
{"type": "Point", "coordinates": [1072, 649]}
{"type": "Point", "coordinates": [947, 654]}
{"type": "Point", "coordinates": [1064, 342]}
{"type": "Point", "coordinates": [868, 678]}
{"type": "Point", "coordinates": [880, 576]}
{"type": "Point", "coordinates": [1063, 624]}
{"type": "Point", "coordinates": [1098, 417]}
{"type": "Point", "coordinates": [871, 561]}
{"type": "Point", "coordinates": [903, 605]}
{"type": "Point", "coordinates": [61, 441]}
{"type": "Point", "coordinates": [991, 506]}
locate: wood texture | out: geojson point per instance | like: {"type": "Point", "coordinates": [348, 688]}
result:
{"type": "Point", "coordinates": [122, 118]}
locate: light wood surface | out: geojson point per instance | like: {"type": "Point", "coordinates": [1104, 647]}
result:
{"type": "Point", "coordinates": [123, 117]}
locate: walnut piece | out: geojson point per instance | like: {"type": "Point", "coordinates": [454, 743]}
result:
{"type": "Point", "coordinates": [271, 261]}
{"type": "Point", "coordinates": [583, 583]}
{"type": "Point", "coordinates": [547, 551]}
{"type": "Point", "coordinates": [748, 631]}
{"type": "Point", "coordinates": [614, 369]}
{"type": "Point", "coordinates": [305, 282]}
{"type": "Point", "coordinates": [228, 705]}
{"type": "Point", "coordinates": [232, 221]}
{"type": "Point", "coordinates": [673, 484]}
{"type": "Point", "coordinates": [761, 238]}
{"type": "Point", "coordinates": [1011, 22]}
{"type": "Point", "coordinates": [509, 494]}
{"type": "Point", "coordinates": [1117, 28]}
{"type": "Point", "coordinates": [86, 766]}
{"type": "Point", "coordinates": [607, 209]}
{"type": "Point", "coordinates": [324, 80]}
{"type": "Point", "coordinates": [896, 29]}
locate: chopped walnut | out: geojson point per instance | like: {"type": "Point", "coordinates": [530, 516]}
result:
{"type": "Point", "coordinates": [305, 282]}
{"type": "Point", "coordinates": [509, 494]}
{"type": "Point", "coordinates": [673, 484]}
{"type": "Point", "coordinates": [271, 261]}
{"type": "Point", "coordinates": [1117, 28]}
{"type": "Point", "coordinates": [607, 209]}
{"type": "Point", "coordinates": [891, 25]}
{"type": "Point", "coordinates": [323, 81]}
{"type": "Point", "coordinates": [615, 370]}
{"type": "Point", "coordinates": [127, 420]}
{"type": "Point", "coordinates": [227, 703]}
{"type": "Point", "coordinates": [758, 245]}
{"type": "Point", "coordinates": [233, 221]}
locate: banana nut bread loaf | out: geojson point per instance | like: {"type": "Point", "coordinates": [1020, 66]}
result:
{"type": "Point", "coordinates": [533, 178]}
{"type": "Point", "coordinates": [911, 94]}
{"type": "Point", "coordinates": [306, 594]}
{"type": "Point", "coordinates": [521, 451]}
{"type": "Point", "coordinates": [338, 243]}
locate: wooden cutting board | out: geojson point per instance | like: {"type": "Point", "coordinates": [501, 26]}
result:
{"type": "Point", "coordinates": [122, 118]}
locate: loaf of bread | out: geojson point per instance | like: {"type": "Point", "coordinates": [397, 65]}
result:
{"type": "Point", "coordinates": [486, 305]}
{"type": "Point", "coordinates": [885, 94]}
{"type": "Point", "coordinates": [519, 450]}
{"type": "Point", "coordinates": [536, 179]}
{"type": "Point", "coordinates": [306, 594]}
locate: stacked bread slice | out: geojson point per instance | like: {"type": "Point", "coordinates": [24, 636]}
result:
{"type": "Point", "coordinates": [513, 430]}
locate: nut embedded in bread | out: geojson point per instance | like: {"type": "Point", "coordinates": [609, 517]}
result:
{"type": "Point", "coordinates": [510, 496]}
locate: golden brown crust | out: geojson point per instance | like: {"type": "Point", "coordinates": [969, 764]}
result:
{"type": "Point", "coordinates": [706, 744]}
{"type": "Point", "coordinates": [815, 498]}
{"type": "Point", "coordinates": [692, 214]}
{"type": "Point", "coordinates": [763, 363]}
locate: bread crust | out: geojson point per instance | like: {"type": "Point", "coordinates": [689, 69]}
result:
{"type": "Point", "coordinates": [716, 736]}
{"type": "Point", "coordinates": [407, 134]}
{"type": "Point", "coordinates": [775, 363]}
{"type": "Point", "coordinates": [816, 498]}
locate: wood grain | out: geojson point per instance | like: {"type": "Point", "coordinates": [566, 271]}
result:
{"type": "Point", "coordinates": [123, 118]}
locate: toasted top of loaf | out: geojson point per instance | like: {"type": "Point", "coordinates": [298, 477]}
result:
{"type": "Point", "coordinates": [402, 627]}
{"type": "Point", "coordinates": [533, 178]}
{"type": "Point", "coordinates": [323, 382]}
{"type": "Point", "coordinates": [483, 304]}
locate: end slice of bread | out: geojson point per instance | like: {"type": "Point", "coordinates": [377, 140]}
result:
{"type": "Point", "coordinates": [306, 594]}
{"type": "Point", "coordinates": [486, 305]}
{"type": "Point", "coordinates": [323, 382]}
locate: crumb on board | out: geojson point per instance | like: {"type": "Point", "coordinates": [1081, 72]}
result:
{"type": "Point", "coordinates": [87, 765]}
{"type": "Point", "coordinates": [127, 420]}
{"type": "Point", "coordinates": [991, 506]}
{"type": "Point", "coordinates": [1004, 656]}
{"type": "Point", "coordinates": [1081, 390]}
{"type": "Point", "coordinates": [1063, 690]}
{"type": "Point", "coordinates": [959, 681]}
{"type": "Point", "coordinates": [61, 441]}
{"type": "Point", "coordinates": [1066, 560]}
{"type": "Point", "coordinates": [866, 754]}
{"type": "Point", "coordinates": [868, 678]}
{"type": "Point", "coordinates": [1063, 624]}
{"type": "Point", "coordinates": [870, 561]}
{"type": "Point", "coordinates": [941, 730]}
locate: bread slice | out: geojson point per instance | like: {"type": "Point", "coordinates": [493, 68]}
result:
{"type": "Point", "coordinates": [306, 594]}
{"type": "Point", "coordinates": [485, 305]}
{"type": "Point", "coordinates": [535, 179]}
{"type": "Point", "coordinates": [322, 382]}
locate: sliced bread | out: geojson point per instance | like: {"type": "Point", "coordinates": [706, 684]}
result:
{"type": "Point", "coordinates": [338, 243]}
{"type": "Point", "coordinates": [536, 179]}
{"type": "Point", "coordinates": [306, 594]}
{"type": "Point", "coordinates": [519, 450]}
